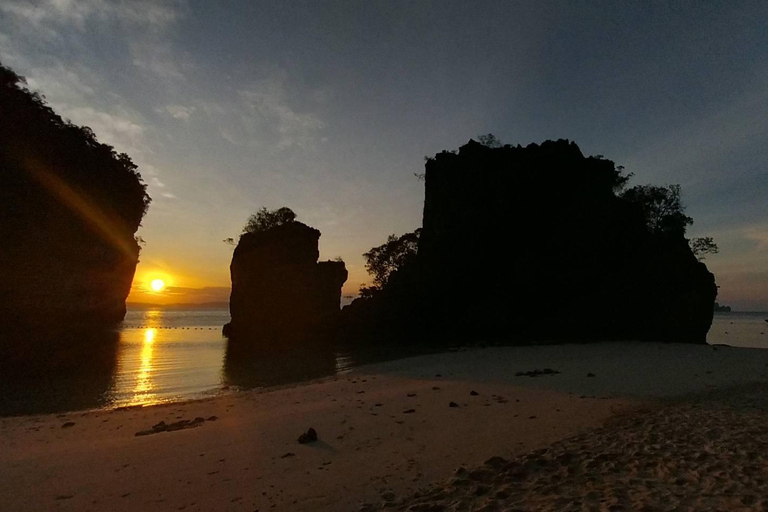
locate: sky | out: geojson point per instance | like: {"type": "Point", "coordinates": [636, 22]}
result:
{"type": "Point", "coordinates": [329, 108]}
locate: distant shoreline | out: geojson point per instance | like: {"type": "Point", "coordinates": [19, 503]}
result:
{"type": "Point", "coordinates": [754, 313]}
{"type": "Point", "coordinates": [138, 306]}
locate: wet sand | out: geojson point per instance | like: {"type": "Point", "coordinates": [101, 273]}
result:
{"type": "Point", "coordinates": [388, 431]}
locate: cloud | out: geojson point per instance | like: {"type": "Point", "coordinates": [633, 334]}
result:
{"type": "Point", "coordinates": [159, 59]}
{"type": "Point", "coordinates": [51, 15]}
{"type": "Point", "coordinates": [265, 116]}
{"type": "Point", "coordinates": [63, 84]}
{"type": "Point", "coordinates": [176, 111]}
{"type": "Point", "coordinates": [144, 24]}
{"type": "Point", "coordinates": [269, 112]}
{"type": "Point", "coordinates": [82, 94]}
{"type": "Point", "coordinates": [72, 92]}
{"type": "Point", "coordinates": [758, 234]}
{"type": "Point", "coordinates": [117, 130]}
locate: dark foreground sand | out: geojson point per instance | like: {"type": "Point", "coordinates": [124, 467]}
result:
{"type": "Point", "coordinates": [600, 435]}
{"type": "Point", "coordinates": [707, 453]}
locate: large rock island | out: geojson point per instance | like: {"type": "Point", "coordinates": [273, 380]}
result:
{"type": "Point", "coordinates": [70, 209]}
{"type": "Point", "coordinates": [540, 244]}
{"type": "Point", "coordinates": [281, 295]}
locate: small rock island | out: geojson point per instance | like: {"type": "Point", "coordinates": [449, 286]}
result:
{"type": "Point", "coordinates": [281, 294]}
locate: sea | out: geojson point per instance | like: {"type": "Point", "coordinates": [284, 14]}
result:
{"type": "Point", "coordinates": [169, 355]}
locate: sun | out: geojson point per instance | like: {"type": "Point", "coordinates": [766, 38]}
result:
{"type": "Point", "coordinates": [157, 285]}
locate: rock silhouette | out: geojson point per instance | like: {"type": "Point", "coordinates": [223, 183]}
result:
{"type": "Point", "coordinates": [280, 293]}
{"type": "Point", "coordinates": [528, 244]}
{"type": "Point", "coordinates": [722, 308]}
{"type": "Point", "coordinates": [70, 208]}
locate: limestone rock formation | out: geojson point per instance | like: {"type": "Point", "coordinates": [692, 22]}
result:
{"type": "Point", "coordinates": [280, 293]}
{"type": "Point", "coordinates": [70, 207]}
{"type": "Point", "coordinates": [534, 244]}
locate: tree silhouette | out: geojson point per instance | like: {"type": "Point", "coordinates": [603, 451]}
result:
{"type": "Point", "coordinates": [662, 208]}
{"type": "Point", "coordinates": [265, 219]}
{"type": "Point", "coordinates": [703, 245]}
{"type": "Point", "coordinates": [382, 261]}
{"type": "Point", "coordinates": [489, 140]}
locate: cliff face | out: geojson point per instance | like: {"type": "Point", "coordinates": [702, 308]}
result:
{"type": "Point", "coordinates": [70, 209]}
{"type": "Point", "coordinates": [533, 244]}
{"type": "Point", "coordinates": [280, 293]}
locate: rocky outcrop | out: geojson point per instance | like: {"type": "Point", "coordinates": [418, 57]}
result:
{"type": "Point", "coordinates": [70, 209]}
{"type": "Point", "coordinates": [280, 293]}
{"type": "Point", "coordinates": [533, 244]}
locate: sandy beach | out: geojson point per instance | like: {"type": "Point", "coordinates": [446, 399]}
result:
{"type": "Point", "coordinates": [610, 426]}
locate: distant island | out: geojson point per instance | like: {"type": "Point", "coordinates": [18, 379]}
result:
{"type": "Point", "coordinates": [722, 309]}
{"type": "Point", "coordinates": [282, 296]}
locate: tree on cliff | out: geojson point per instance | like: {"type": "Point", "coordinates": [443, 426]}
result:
{"type": "Point", "coordinates": [382, 261]}
{"type": "Point", "coordinates": [265, 219]}
{"type": "Point", "coordinates": [489, 140]}
{"type": "Point", "coordinates": [664, 213]}
{"type": "Point", "coordinates": [703, 245]}
{"type": "Point", "coordinates": [662, 208]}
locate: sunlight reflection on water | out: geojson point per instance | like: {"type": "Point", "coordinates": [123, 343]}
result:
{"type": "Point", "coordinates": [167, 356]}
{"type": "Point", "coordinates": [176, 355]}
{"type": "Point", "coordinates": [143, 392]}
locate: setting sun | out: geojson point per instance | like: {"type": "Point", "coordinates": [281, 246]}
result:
{"type": "Point", "coordinates": [157, 285]}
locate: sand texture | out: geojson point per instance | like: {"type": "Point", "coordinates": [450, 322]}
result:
{"type": "Point", "coordinates": [387, 430]}
{"type": "Point", "coordinates": [709, 453]}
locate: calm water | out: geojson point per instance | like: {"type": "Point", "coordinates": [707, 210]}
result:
{"type": "Point", "coordinates": [740, 329]}
{"type": "Point", "coordinates": [171, 355]}
{"type": "Point", "coordinates": [167, 355]}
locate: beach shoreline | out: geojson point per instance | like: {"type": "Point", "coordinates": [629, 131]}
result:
{"type": "Point", "coordinates": [385, 430]}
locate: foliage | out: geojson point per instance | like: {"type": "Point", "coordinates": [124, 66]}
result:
{"type": "Point", "coordinates": [367, 292]}
{"type": "Point", "coordinates": [489, 140]}
{"type": "Point", "coordinates": [620, 180]}
{"type": "Point", "coordinates": [265, 219]}
{"type": "Point", "coordinates": [662, 208]}
{"type": "Point", "coordinates": [384, 260]}
{"type": "Point", "coordinates": [703, 245]}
